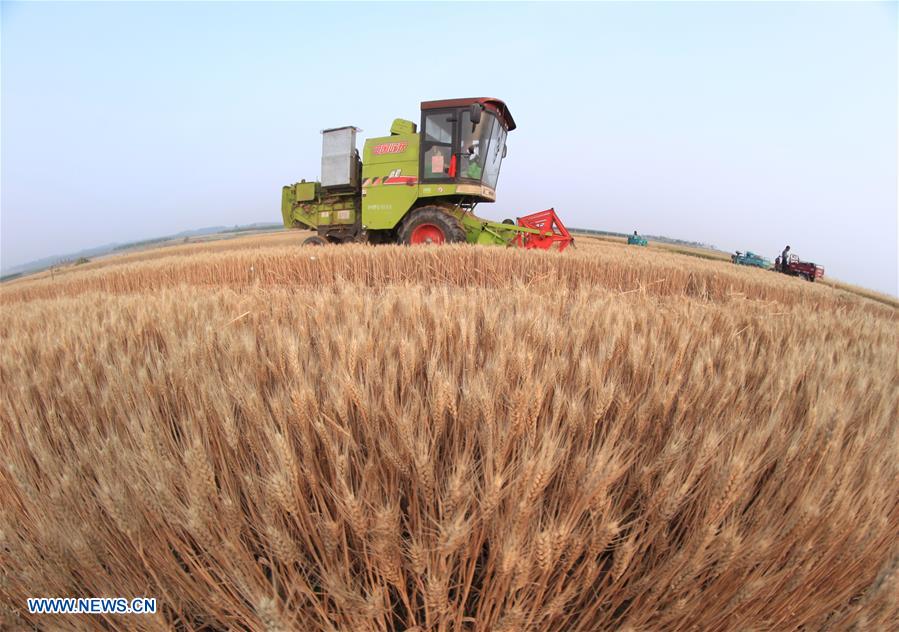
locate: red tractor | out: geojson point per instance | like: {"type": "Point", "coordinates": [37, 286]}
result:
{"type": "Point", "coordinates": [794, 267]}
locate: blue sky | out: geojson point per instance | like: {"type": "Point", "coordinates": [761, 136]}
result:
{"type": "Point", "coordinates": [744, 125]}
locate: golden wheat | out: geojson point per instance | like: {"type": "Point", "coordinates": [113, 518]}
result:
{"type": "Point", "coordinates": [463, 438]}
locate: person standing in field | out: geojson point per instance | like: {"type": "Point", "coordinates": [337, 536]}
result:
{"type": "Point", "coordinates": [784, 257]}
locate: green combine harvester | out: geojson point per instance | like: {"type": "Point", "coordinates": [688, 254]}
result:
{"type": "Point", "coordinates": [416, 187]}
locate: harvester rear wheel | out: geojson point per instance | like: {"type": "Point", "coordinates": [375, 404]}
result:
{"type": "Point", "coordinates": [315, 240]}
{"type": "Point", "coordinates": [431, 225]}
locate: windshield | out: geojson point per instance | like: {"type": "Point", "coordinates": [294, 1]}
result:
{"type": "Point", "coordinates": [482, 148]}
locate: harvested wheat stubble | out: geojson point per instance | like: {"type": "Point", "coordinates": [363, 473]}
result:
{"type": "Point", "coordinates": [527, 445]}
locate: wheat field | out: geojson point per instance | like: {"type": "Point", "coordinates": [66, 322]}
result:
{"type": "Point", "coordinates": [267, 437]}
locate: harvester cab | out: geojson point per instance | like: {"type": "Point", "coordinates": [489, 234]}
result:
{"type": "Point", "coordinates": [418, 185]}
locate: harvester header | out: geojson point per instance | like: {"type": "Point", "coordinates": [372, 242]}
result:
{"type": "Point", "coordinates": [418, 185]}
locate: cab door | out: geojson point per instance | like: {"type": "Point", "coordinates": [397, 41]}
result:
{"type": "Point", "coordinates": [438, 162]}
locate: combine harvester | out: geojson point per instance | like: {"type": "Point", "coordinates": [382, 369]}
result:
{"type": "Point", "coordinates": [636, 240]}
{"type": "Point", "coordinates": [418, 187]}
{"type": "Point", "coordinates": [749, 258]}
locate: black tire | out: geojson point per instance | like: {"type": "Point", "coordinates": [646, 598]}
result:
{"type": "Point", "coordinates": [315, 240]}
{"type": "Point", "coordinates": [433, 220]}
{"type": "Point", "coordinates": [509, 221]}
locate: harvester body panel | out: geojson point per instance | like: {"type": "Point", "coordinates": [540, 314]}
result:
{"type": "Point", "coordinates": [306, 205]}
{"type": "Point", "coordinates": [389, 179]}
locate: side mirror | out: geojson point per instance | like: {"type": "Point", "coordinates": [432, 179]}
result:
{"type": "Point", "coordinates": [474, 113]}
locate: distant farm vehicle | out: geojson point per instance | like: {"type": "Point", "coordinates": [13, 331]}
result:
{"type": "Point", "coordinates": [418, 187]}
{"type": "Point", "coordinates": [636, 240]}
{"type": "Point", "coordinates": [749, 258]}
{"type": "Point", "coordinates": [794, 267]}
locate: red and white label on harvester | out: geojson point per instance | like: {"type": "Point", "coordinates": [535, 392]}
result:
{"type": "Point", "coordinates": [389, 148]}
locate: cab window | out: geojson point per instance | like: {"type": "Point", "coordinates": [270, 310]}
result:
{"type": "Point", "coordinates": [473, 145]}
{"type": "Point", "coordinates": [439, 128]}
